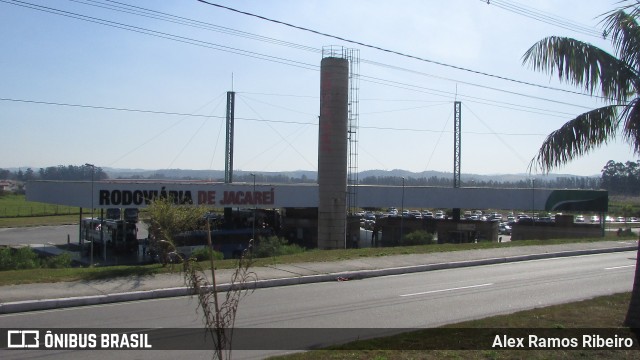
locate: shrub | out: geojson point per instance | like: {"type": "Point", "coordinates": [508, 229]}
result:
{"type": "Point", "coordinates": [23, 258]}
{"type": "Point", "coordinates": [205, 254]}
{"type": "Point", "coordinates": [26, 258]}
{"type": "Point", "coordinates": [418, 237]}
{"type": "Point", "coordinates": [625, 232]}
{"type": "Point", "coordinates": [275, 246]}
{"type": "Point", "coordinates": [6, 260]}
{"type": "Point", "coordinates": [57, 262]}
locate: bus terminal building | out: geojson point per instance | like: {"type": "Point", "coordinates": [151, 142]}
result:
{"type": "Point", "coordinates": [298, 204]}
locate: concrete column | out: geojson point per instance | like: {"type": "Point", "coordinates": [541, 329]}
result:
{"type": "Point", "coordinates": [333, 153]}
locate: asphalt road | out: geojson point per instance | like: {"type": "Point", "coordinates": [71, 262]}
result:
{"type": "Point", "coordinates": [48, 235]}
{"type": "Point", "coordinates": [39, 235]}
{"type": "Point", "coordinates": [427, 299]}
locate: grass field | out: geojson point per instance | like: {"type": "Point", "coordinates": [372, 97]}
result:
{"type": "Point", "coordinates": [14, 205]}
{"type": "Point", "coordinates": [49, 220]}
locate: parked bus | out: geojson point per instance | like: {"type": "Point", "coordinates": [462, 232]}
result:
{"type": "Point", "coordinates": [131, 215]}
{"type": "Point", "coordinates": [119, 236]}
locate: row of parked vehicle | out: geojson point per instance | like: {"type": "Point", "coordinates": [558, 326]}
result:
{"type": "Point", "coordinates": [393, 212]}
{"type": "Point", "coordinates": [368, 218]}
{"type": "Point", "coordinates": [609, 219]}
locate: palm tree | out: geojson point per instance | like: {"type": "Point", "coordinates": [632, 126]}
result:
{"type": "Point", "coordinates": [616, 78]}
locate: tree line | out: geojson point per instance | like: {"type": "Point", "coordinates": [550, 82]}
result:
{"type": "Point", "coordinates": [571, 182]}
{"type": "Point", "coordinates": [617, 177]}
{"type": "Point", "coordinates": [61, 172]}
{"type": "Point", "coordinates": [621, 179]}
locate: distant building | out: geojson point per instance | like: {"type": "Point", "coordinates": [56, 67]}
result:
{"type": "Point", "coordinates": [8, 186]}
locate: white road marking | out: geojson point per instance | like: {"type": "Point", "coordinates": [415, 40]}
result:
{"type": "Point", "coordinates": [619, 267]}
{"type": "Point", "coordinates": [450, 289]}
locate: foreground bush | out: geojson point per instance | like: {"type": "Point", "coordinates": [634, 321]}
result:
{"type": "Point", "coordinates": [57, 262]}
{"type": "Point", "coordinates": [418, 237]}
{"type": "Point", "coordinates": [26, 258]}
{"type": "Point", "coordinates": [205, 254]}
{"type": "Point", "coordinates": [275, 246]}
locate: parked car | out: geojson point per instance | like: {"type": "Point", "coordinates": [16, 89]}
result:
{"type": "Point", "coordinates": [496, 216]}
{"type": "Point", "coordinates": [504, 229]}
{"type": "Point", "coordinates": [579, 218]}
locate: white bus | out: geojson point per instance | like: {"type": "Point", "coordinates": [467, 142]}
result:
{"type": "Point", "coordinates": [120, 236]}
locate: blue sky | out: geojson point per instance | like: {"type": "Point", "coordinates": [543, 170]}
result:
{"type": "Point", "coordinates": [406, 105]}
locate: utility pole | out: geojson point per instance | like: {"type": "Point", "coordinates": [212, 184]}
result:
{"type": "Point", "coordinates": [93, 170]}
{"type": "Point", "coordinates": [402, 212]}
{"type": "Point", "coordinates": [253, 196]}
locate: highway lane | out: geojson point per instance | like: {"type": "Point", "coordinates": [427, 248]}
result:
{"type": "Point", "coordinates": [426, 299]}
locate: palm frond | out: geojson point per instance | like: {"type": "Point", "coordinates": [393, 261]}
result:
{"type": "Point", "coordinates": [632, 7]}
{"type": "Point", "coordinates": [577, 137]}
{"type": "Point", "coordinates": [625, 37]}
{"type": "Point", "coordinates": [583, 65]}
{"type": "Point", "coordinates": [631, 119]}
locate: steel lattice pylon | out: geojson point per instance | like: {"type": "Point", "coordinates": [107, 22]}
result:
{"type": "Point", "coordinates": [457, 141]}
{"type": "Point", "coordinates": [228, 160]}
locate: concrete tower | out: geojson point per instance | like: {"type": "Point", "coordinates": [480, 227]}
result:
{"type": "Point", "coordinates": [333, 152]}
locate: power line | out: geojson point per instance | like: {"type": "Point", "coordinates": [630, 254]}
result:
{"type": "Point", "coordinates": [435, 146]}
{"type": "Point", "coordinates": [449, 94]}
{"type": "Point", "coordinates": [163, 35]}
{"type": "Point", "coordinates": [149, 13]}
{"type": "Point", "coordinates": [498, 135]}
{"type": "Point", "coordinates": [158, 15]}
{"type": "Point", "coordinates": [253, 54]}
{"type": "Point", "coordinates": [468, 98]}
{"type": "Point", "coordinates": [277, 106]}
{"type": "Point", "coordinates": [544, 17]}
{"type": "Point", "coordinates": [154, 112]}
{"type": "Point", "coordinates": [280, 135]}
{"type": "Point", "coordinates": [405, 109]}
{"type": "Point", "coordinates": [289, 62]}
{"type": "Point", "coordinates": [391, 51]}
{"type": "Point", "coordinates": [472, 84]}
{"type": "Point", "coordinates": [441, 93]}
